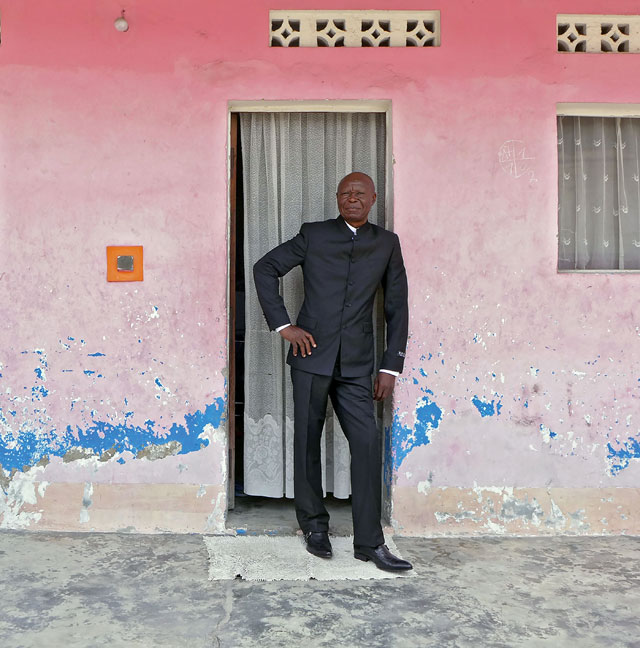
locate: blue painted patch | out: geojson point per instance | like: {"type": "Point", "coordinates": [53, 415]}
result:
{"type": "Point", "coordinates": [622, 456]}
{"type": "Point", "coordinates": [97, 354]}
{"type": "Point", "coordinates": [88, 372]}
{"type": "Point", "coordinates": [38, 393]}
{"type": "Point", "coordinates": [405, 439]}
{"type": "Point", "coordinates": [487, 408]}
{"type": "Point", "coordinates": [27, 448]}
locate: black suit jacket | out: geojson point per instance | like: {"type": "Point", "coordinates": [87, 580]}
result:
{"type": "Point", "coordinates": [342, 273]}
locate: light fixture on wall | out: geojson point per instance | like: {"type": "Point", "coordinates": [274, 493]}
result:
{"type": "Point", "coordinates": [121, 23]}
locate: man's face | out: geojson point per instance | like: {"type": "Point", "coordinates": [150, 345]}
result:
{"type": "Point", "coordinates": [356, 195]}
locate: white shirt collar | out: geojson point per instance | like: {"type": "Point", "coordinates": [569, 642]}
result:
{"type": "Point", "coordinates": [351, 227]}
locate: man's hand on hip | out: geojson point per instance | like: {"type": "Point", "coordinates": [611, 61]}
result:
{"type": "Point", "coordinates": [383, 386]}
{"type": "Point", "coordinates": [300, 340]}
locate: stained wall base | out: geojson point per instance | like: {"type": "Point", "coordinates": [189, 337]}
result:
{"type": "Point", "coordinates": [426, 511]}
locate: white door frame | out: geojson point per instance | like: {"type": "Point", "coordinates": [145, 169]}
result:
{"type": "Point", "coordinates": [321, 105]}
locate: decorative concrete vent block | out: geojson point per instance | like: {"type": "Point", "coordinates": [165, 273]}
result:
{"type": "Point", "coordinates": [354, 28]}
{"type": "Point", "coordinates": [598, 33]}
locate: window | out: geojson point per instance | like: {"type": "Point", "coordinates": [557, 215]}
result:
{"type": "Point", "coordinates": [598, 189]}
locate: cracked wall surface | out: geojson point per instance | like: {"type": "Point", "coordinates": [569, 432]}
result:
{"type": "Point", "coordinates": [517, 410]}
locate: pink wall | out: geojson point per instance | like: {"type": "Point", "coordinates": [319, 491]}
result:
{"type": "Point", "coordinates": [110, 138]}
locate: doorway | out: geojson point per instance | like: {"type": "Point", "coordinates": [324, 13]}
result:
{"type": "Point", "coordinates": [285, 162]}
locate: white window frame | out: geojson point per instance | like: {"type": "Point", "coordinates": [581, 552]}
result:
{"type": "Point", "coordinates": [593, 110]}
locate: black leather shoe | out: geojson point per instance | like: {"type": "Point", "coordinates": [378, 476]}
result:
{"type": "Point", "coordinates": [382, 558]}
{"type": "Point", "coordinates": [318, 544]}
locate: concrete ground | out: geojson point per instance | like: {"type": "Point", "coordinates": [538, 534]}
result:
{"type": "Point", "coordinates": [68, 590]}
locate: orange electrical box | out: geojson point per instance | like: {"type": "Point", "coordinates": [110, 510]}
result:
{"type": "Point", "coordinates": [124, 263]}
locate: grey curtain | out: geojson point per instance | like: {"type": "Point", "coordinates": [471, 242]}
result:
{"type": "Point", "coordinates": [292, 163]}
{"type": "Point", "coordinates": [598, 193]}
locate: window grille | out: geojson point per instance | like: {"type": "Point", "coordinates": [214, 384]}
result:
{"type": "Point", "coordinates": [598, 33]}
{"type": "Point", "coordinates": [354, 28]}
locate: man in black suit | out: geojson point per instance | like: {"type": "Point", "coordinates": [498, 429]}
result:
{"type": "Point", "coordinates": [343, 260]}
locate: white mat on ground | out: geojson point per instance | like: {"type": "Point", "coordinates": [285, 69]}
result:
{"type": "Point", "coordinates": [269, 558]}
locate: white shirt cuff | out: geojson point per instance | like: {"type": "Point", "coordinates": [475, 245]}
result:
{"type": "Point", "coordinates": [284, 326]}
{"type": "Point", "coordinates": [393, 373]}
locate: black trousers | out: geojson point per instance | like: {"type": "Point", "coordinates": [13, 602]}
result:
{"type": "Point", "coordinates": [352, 400]}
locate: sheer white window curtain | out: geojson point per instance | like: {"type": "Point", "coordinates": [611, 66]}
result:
{"type": "Point", "coordinates": [598, 193]}
{"type": "Point", "coordinates": [292, 163]}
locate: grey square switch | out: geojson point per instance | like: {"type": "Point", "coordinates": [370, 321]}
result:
{"type": "Point", "coordinates": [125, 263]}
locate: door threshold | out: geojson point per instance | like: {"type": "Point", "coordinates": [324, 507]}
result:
{"type": "Point", "coordinates": [271, 516]}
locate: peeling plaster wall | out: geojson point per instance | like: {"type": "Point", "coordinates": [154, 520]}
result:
{"type": "Point", "coordinates": [112, 396]}
{"type": "Point", "coordinates": [517, 411]}
{"type": "Point", "coordinates": [520, 401]}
